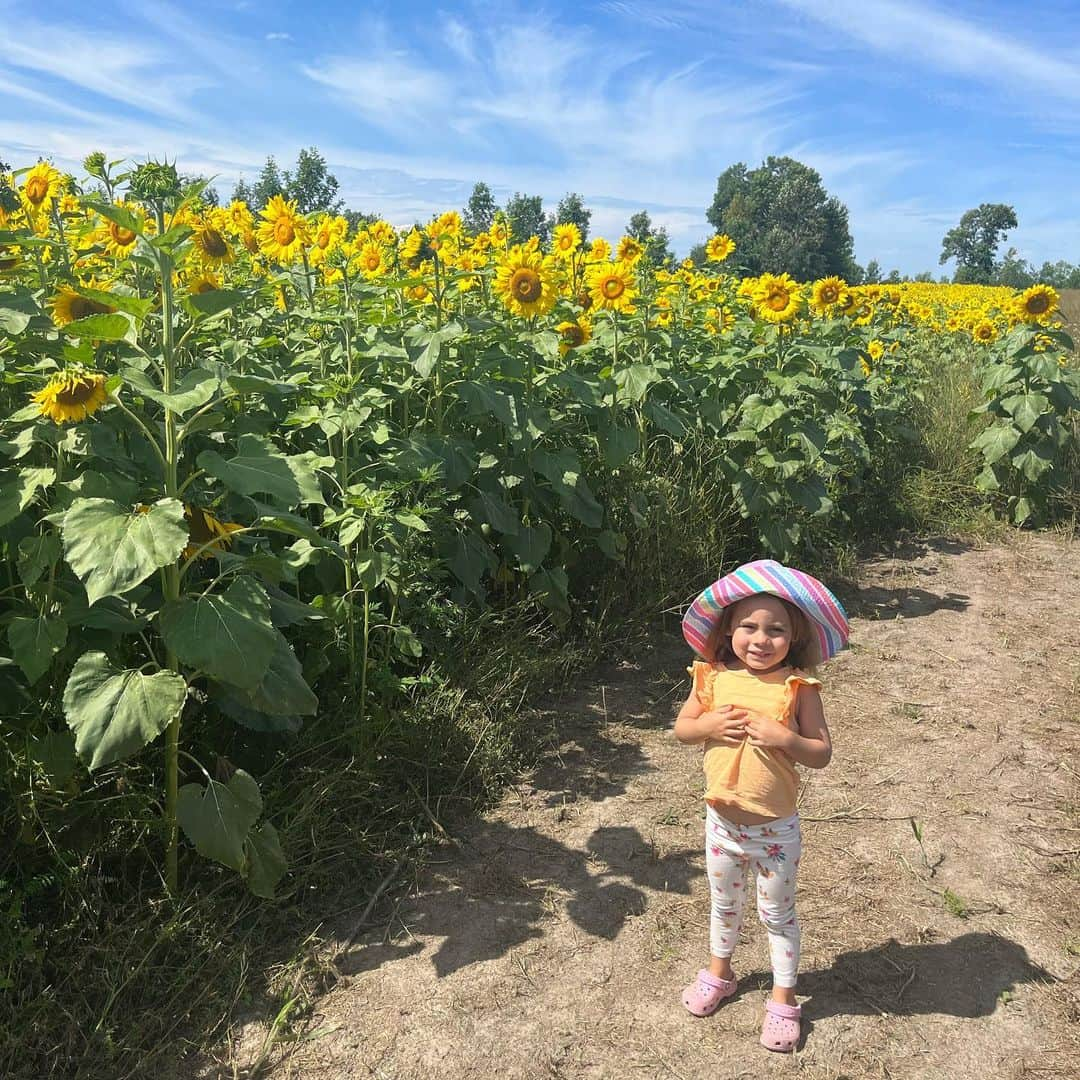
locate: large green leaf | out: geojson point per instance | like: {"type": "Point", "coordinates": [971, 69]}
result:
{"type": "Point", "coordinates": [469, 558]}
{"type": "Point", "coordinates": [530, 545]}
{"type": "Point", "coordinates": [17, 489]}
{"type": "Point", "coordinates": [552, 586]}
{"type": "Point", "coordinates": [195, 389]}
{"type": "Point", "coordinates": [113, 549]}
{"type": "Point", "coordinates": [16, 310]}
{"type": "Point", "coordinates": [1025, 409]}
{"type": "Point", "coordinates": [115, 327]}
{"type": "Point", "coordinates": [483, 399]}
{"type": "Point", "coordinates": [563, 470]}
{"type": "Point", "coordinates": [265, 860]}
{"type": "Point", "coordinates": [618, 444]}
{"type": "Point", "coordinates": [35, 642]}
{"type": "Point", "coordinates": [259, 468]}
{"type": "Point", "coordinates": [282, 691]}
{"type": "Point", "coordinates": [218, 818]}
{"type": "Point", "coordinates": [633, 382]}
{"type": "Point", "coordinates": [1032, 463]}
{"type": "Point", "coordinates": [494, 511]}
{"type": "Point", "coordinates": [229, 635]}
{"type": "Point", "coordinates": [115, 712]}
{"type": "Point", "coordinates": [37, 554]}
{"type": "Point", "coordinates": [996, 441]}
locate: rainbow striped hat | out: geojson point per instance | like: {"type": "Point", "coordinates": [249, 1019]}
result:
{"type": "Point", "coordinates": [826, 613]}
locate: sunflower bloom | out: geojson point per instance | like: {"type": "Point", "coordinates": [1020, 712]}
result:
{"type": "Point", "coordinates": [612, 287]}
{"type": "Point", "coordinates": [572, 335]}
{"type": "Point", "coordinates": [719, 248]}
{"type": "Point", "coordinates": [984, 332]}
{"type": "Point", "coordinates": [206, 535]}
{"type": "Point", "coordinates": [778, 298]}
{"type": "Point", "coordinates": [210, 244]}
{"type": "Point", "coordinates": [600, 250]}
{"type": "Point", "coordinates": [283, 233]}
{"type": "Point", "coordinates": [71, 396]}
{"type": "Point", "coordinates": [68, 306]}
{"type": "Point", "coordinates": [629, 250]}
{"type": "Point", "coordinates": [524, 283]}
{"type": "Point", "coordinates": [205, 282]}
{"type": "Point", "coordinates": [566, 240]}
{"type": "Point", "coordinates": [827, 294]}
{"type": "Point", "coordinates": [239, 218]}
{"type": "Point", "coordinates": [876, 349]}
{"type": "Point", "coordinates": [1037, 303]}
{"type": "Point", "coordinates": [41, 187]}
{"type": "Point", "coordinates": [370, 261]}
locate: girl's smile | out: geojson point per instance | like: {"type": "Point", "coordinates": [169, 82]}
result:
{"type": "Point", "coordinates": [761, 633]}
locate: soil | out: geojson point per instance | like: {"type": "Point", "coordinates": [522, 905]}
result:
{"type": "Point", "coordinates": [938, 891]}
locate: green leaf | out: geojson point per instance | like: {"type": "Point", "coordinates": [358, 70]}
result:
{"type": "Point", "coordinates": [1031, 463]}
{"type": "Point", "coordinates": [551, 585]}
{"type": "Point", "coordinates": [1026, 409]}
{"type": "Point", "coordinates": [215, 301]}
{"type": "Point", "coordinates": [633, 382]}
{"type": "Point", "coordinates": [266, 863]}
{"type": "Point", "coordinates": [113, 549]}
{"type": "Point", "coordinates": [195, 389]}
{"type": "Point", "coordinates": [996, 441]}
{"type": "Point", "coordinates": [53, 753]}
{"type": "Point", "coordinates": [781, 537]}
{"type": "Point", "coordinates": [115, 327]}
{"type": "Point", "coordinates": [496, 512]}
{"type": "Point", "coordinates": [258, 468]}
{"type": "Point", "coordinates": [563, 470]}
{"type": "Point", "coordinates": [283, 691]}
{"type": "Point", "coordinates": [228, 635]}
{"type": "Point", "coordinates": [1022, 511]}
{"type": "Point", "coordinates": [530, 545]}
{"type": "Point", "coordinates": [118, 214]}
{"type": "Point", "coordinates": [218, 818]}
{"type": "Point", "coordinates": [16, 311]}
{"type": "Point", "coordinates": [612, 544]}
{"type": "Point", "coordinates": [665, 419]}
{"type": "Point", "coordinates": [484, 400]}
{"type": "Point", "coordinates": [469, 558]}
{"type": "Point", "coordinates": [37, 554]}
{"type": "Point", "coordinates": [810, 494]}
{"type": "Point", "coordinates": [618, 445]}
{"type": "Point", "coordinates": [131, 305]}
{"type": "Point", "coordinates": [372, 568]}
{"type": "Point", "coordinates": [34, 643]}
{"type": "Point", "coordinates": [114, 713]}
{"type": "Point", "coordinates": [17, 489]}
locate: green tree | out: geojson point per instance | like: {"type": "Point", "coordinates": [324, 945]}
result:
{"type": "Point", "coordinates": [782, 219]}
{"type": "Point", "coordinates": [312, 186]}
{"type": "Point", "coordinates": [571, 211]}
{"type": "Point", "coordinates": [479, 213]}
{"type": "Point", "coordinates": [1061, 275]}
{"type": "Point", "coordinates": [654, 240]}
{"type": "Point", "coordinates": [525, 213]}
{"type": "Point", "coordinates": [1013, 271]}
{"type": "Point", "coordinates": [974, 242]}
{"type": "Point", "coordinates": [872, 273]}
{"type": "Point", "coordinates": [698, 256]}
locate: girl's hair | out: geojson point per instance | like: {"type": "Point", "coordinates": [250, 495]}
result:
{"type": "Point", "coordinates": [805, 651]}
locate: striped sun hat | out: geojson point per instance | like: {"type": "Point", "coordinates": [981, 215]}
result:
{"type": "Point", "coordinates": [827, 615]}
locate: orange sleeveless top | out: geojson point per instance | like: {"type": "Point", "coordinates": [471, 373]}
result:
{"type": "Point", "coordinates": [754, 779]}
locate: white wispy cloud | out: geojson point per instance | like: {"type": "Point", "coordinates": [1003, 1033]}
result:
{"type": "Point", "coordinates": [278, 36]}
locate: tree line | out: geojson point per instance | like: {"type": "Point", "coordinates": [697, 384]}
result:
{"type": "Point", "coordinates": [779, 215]}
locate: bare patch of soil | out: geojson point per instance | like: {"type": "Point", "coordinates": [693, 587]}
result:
{"type": "Point", "coordinates": [938, 890]}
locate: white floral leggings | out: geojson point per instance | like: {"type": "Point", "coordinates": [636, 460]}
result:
{"type": "Point", "coordinates": [773, 850]}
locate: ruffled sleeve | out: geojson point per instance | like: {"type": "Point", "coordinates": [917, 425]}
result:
{"type": "Point", "coordinates": [791, 693]}
{"type": "Point", "coordinates": [699, 673]}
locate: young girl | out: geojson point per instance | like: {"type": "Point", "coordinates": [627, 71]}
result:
{"type": "Point", "coordinates": [761, 630]}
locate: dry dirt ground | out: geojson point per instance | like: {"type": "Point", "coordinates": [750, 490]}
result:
{"type": "Point", "coordinates": [554, 938]}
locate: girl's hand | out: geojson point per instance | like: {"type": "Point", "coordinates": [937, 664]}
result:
{"type": "Point", "coordinates": [728, 724]}
{"type": "Point", "coordinates": [766, 732]}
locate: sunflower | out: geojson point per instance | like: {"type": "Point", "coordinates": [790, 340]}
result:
{"type": "Point", "coordinates": [566, 240]}
{"type": "Point", "coordinates": [629, 250]}
{"type": "Point", "coordinates": [370, 260]}
{"type": "Point", "coordinates": [600, 250]}
{"type": "Point", "coordinates": [876, 349]}
{"type": "Point", "coordinates": [572, 335]}
{"type": "Point", "coordinates": [382, 232]}
{"type": "Point", "coordinates": [67, 306]}
{"type": "Point", "coordinates": [283, 233]}
{"type": "Point", "coordinates": [466, 262]}
{"type": "Point", "coordinates": [499, 233]}
{"type": "Point", "coordinates": [524, 283]}
{"type": "Point", "coordinates": [419, 293]}
{"type": "Point", "coordinates": [71, 396]}
{"type": "Point", "coordinates": [327, 237]}
{"type": "Point", "coordinates": [415, 250]}
{"type": "Point", "coordinates": [719, 248]}
{"type": "Point", "coordinates": [826, 294]}
{"type": "Point", "coordinates": [719, 320]}
{"type": "Point", "coordinates": [984, 332]}
{"type": "Point", "coordinates": [612, 287]}
{"type": "Point", "coordinates": [41, 186]}
{"type": "Point", "coordinates": [778, 298]}
{"type": "Point", "coordinates": [206, 535]}
{"type": "Point", "coordinates": [205, 282]}
{"type": "Point", "coordinates": [239, 218]}
{"type": "Point", "coordinates": [211, 247]}
{"type": "Point", "coordinates": [1037, 303]}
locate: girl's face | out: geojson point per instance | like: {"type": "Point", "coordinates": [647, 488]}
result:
{"type": "Point", "coordinates": [761, 632]}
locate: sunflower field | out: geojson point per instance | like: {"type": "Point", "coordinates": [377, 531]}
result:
{"type": "Point", "coordinates": [251, 460]}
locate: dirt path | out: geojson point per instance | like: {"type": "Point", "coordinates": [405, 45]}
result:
{"type": "Point", "coordinates": [555, 940]}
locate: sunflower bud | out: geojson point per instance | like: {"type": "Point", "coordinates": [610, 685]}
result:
{"type": "Point", "coordinates": [155, 180]}
{"type": "Point", "coordinates": [94, 164]}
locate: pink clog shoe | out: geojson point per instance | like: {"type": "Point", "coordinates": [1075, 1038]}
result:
{"type": "Point", "coordinates": [780, 1032]}
{"type": "Point", "coordinates": [703, 996]}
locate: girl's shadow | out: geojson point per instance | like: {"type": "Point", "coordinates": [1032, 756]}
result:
{"type": "Point", "coordinates": [963, 977]}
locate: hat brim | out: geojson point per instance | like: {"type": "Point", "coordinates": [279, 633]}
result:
{"type": "Point", "coordinates": [810, 596]}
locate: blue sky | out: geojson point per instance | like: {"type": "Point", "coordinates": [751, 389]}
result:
{"type": "Point", "coordinates": [912, 111]}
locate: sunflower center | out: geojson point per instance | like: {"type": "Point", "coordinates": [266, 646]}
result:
{"type": "Point", "coordinates": [777, 300]}
{"type": "Point", "coordinates": [372, 262]}
{"type": "Point", "coordinates": [573, 336]}
{"type": "Point", "coordinates": [526, 285]}
{"type": "Point", "coordinates": [284, 233]}
{"type": "Point", "coordinates": [214, 244]}
{"type": "Point", "coordinates": [323, 239]}
{"type": "Point", "coordinates": [81, 307]}
{"type": "Point", "coordinates": [77, 391]}
{"type": "Point", "coordinates": [37, 189]}
{"type": "Point", "coordinates": [566, 243]}
{"type": "Point", "coordinates": [613, 288]}
{"type": "Point", "coordinates": [123, 237]}
{"type": "Point", "coordinates": [830, 294]}
{"type": "Point", "coordinates": [1038, 304]}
